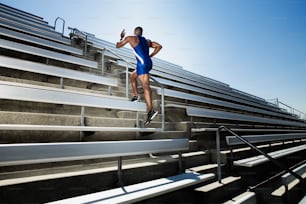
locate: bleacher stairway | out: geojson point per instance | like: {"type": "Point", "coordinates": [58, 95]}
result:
{"type": "Point", "coordinates": [69, 133]}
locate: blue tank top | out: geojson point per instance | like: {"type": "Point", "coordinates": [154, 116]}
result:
{"type": "Point", "coordinates": [141, 52]}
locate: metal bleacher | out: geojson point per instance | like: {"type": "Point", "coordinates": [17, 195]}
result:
{"type": "Point", "coordinates": [66, 120]}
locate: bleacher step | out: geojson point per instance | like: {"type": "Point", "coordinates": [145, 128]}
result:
{"type": "Point", "coordinates": [218, 192]}
{"type": "Point", "coordinates": [244, 198]}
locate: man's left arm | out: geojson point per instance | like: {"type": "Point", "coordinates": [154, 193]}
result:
{"type": "Point", "coordinates": [157, 47]}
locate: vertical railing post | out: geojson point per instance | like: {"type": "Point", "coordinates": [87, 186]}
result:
{"type": "Point", "coordinates": [181, 167]}
{"type": "Point", "coordinates": [218, 154]}
{"type": "Point", "coordinates": [102, 62]}
{"type": "Point", "coordinates": [127, 80]}
{"type": "Point", "coordinates": [85, 46]}
{"type": "Point", "coordinates": [82, 122]}
{"type": "Point", "coordinates": [163, 107]}
{"type": "Point", "coordinates": [119, 173]}
{"type": "Point", "coordinates": [62, 83]}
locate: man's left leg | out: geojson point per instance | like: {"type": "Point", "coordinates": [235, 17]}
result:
{"type": "Point", "coordinates": [145, 80]}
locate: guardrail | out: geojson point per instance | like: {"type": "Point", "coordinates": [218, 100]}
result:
{"type": "Point", "coordinates": [63, 27]}
{"type": "Point", "coordinates": [219, 172]}
{"type": "Point", "coordinates": [288, 108]}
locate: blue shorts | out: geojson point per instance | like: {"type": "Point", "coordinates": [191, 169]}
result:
{"type": "Point", "coordinates": [143, 68]}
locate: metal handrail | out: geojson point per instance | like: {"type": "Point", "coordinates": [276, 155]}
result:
{"type": "Point", "coordinates": [63, 27]}
{"type": "Point", "coordinates": [292, 110]}
{"type": "Point", "coordinates": [74, 30]}
{"type": "Point", "coordinates": [127, 86]}
{"type": "Point", "coordinates": [279, 164]}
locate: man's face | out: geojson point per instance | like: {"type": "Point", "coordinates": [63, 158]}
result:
{"type": "Point", "coordinates": [137, 31]}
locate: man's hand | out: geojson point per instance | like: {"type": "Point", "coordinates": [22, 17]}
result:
{"type": "Point", "coordinates": [122, 34]}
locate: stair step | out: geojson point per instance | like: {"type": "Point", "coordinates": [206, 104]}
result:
{"type": "Point", "coordinates": [218, 192]}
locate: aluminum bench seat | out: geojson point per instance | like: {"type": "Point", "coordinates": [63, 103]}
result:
{"type": "Point", "coordinates": [34, 153]}
{"type": "Point", "coordinates": [28, 18]}
{"type": "Point", "coordinates": [266, 130]}
{"type": "Point", "coordinates": [54, 36]}
{"type": "Point", "coordinates": [141, 191]}
{"type": "Point", "coordinates": [217, 114]}
{"type": "Point", "coordinates": [75, 128]}
{"type": "Point", "coordinates": [39, 68]}
{"type": "Point", "coordinates": [40, 41]}
{"type": "Point", "coordinates": [20, 12]}
{"type": "Point", "coordinates": [232, 140]}
{"type": "Point", "coordinates": [186, 85]}
{"type": "Point", "coordinates": [211, 101]}
{"type": "Point", "coordinates": [46, 53]}
{"type": "Point", "coordinates": [256, 160]}
{"type": "Point", "coordinates": [24, 92]}
{"type": "Point", "coordinates": [26, 22]}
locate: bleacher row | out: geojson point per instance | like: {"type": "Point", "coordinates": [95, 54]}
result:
{"type": "Point", "coordinates": [66, 117]}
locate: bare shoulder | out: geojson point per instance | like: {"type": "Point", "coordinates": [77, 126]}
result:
{"type": "Point", "coordinates": [133, 40]}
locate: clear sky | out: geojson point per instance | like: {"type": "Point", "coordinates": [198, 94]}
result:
{"type": "Point", "coordinates": [256, 46]}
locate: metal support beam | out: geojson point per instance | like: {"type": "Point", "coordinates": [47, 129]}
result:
{"type": "Point", "coordinates": [102, 62]}
{"type": "Point", "coordinates": [127, 80]}
{"type": "Point", "coordinates": [62, 83]}
{"type": "Point", "coordinates": [219, 173]}
{"type": "Point", "coordinates": [181, 166]}
{"type": "Point", "coordinates": [82, 134]}
{"type": "Point", "coordinates": [163, 107]}
{"type": "Point", "coordinates": [120, 173]}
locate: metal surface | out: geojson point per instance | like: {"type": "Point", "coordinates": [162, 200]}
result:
{"type": "Point", "coordinates": [263, 157]}
{"type": "Point", "coordinates": [232, 140]}
{"type": "Point", "coordinates": [288, 178]}
{"type": "Point", "coordinates": [39, 41]}
{"type": "Point", "coordinates": [25, 18]}
{"type": "Point", "coordinates": [39, 94]}
{"type": "Point", "coordinates": [46, 53]}
{"type": "Point", "coordinates": [210, 113]}
{"type": "Point", "coordinates": [51, 36]}
{"type": "Point", "coordinates": [31, 153]}
{"type": "Point", "coordinates": [141, 191]}
{"type": "Point", "coordinates": [219, 170]}
{"type": "Point", "coordinates": [26, 23]}
{"type": "Point", "coordinates": [183, 84]}
{"type": "Point", "coordinates": [39, 68]}
{"type": "Point", "coordinates": [201, 99]}
{"type": "Point", "coordinates": [256, 160]}
{"type": "Point", "coordinates": [20, 12]}
{"type": "Point", "coordinates": [76, 128]}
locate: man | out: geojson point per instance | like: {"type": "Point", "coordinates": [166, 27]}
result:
{"type": "Point", "coordinates": [141, 48]}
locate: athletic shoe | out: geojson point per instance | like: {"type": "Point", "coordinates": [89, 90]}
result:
{"type": "Point", "coordinates": [135, 99]}
{"type": "Point", "coordinates": [151, 115]}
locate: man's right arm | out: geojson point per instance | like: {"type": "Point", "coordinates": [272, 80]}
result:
{"type": "Point", "coordinates": [122, 42]}
{"type": "Point", "coordinates": [132, 40]}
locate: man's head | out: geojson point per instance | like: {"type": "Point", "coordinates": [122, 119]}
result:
{"type": "Point", "coordinates": [138, 30]}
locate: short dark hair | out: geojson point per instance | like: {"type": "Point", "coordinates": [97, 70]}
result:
{"type": "Point", "coordinates": [139, 28]}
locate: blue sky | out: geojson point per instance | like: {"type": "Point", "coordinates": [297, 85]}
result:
{"type": "Point", "coordinates": [256, 46]}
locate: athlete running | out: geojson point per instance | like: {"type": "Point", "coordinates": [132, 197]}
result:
{"type": "Point", "coordinates": [141, 47]}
